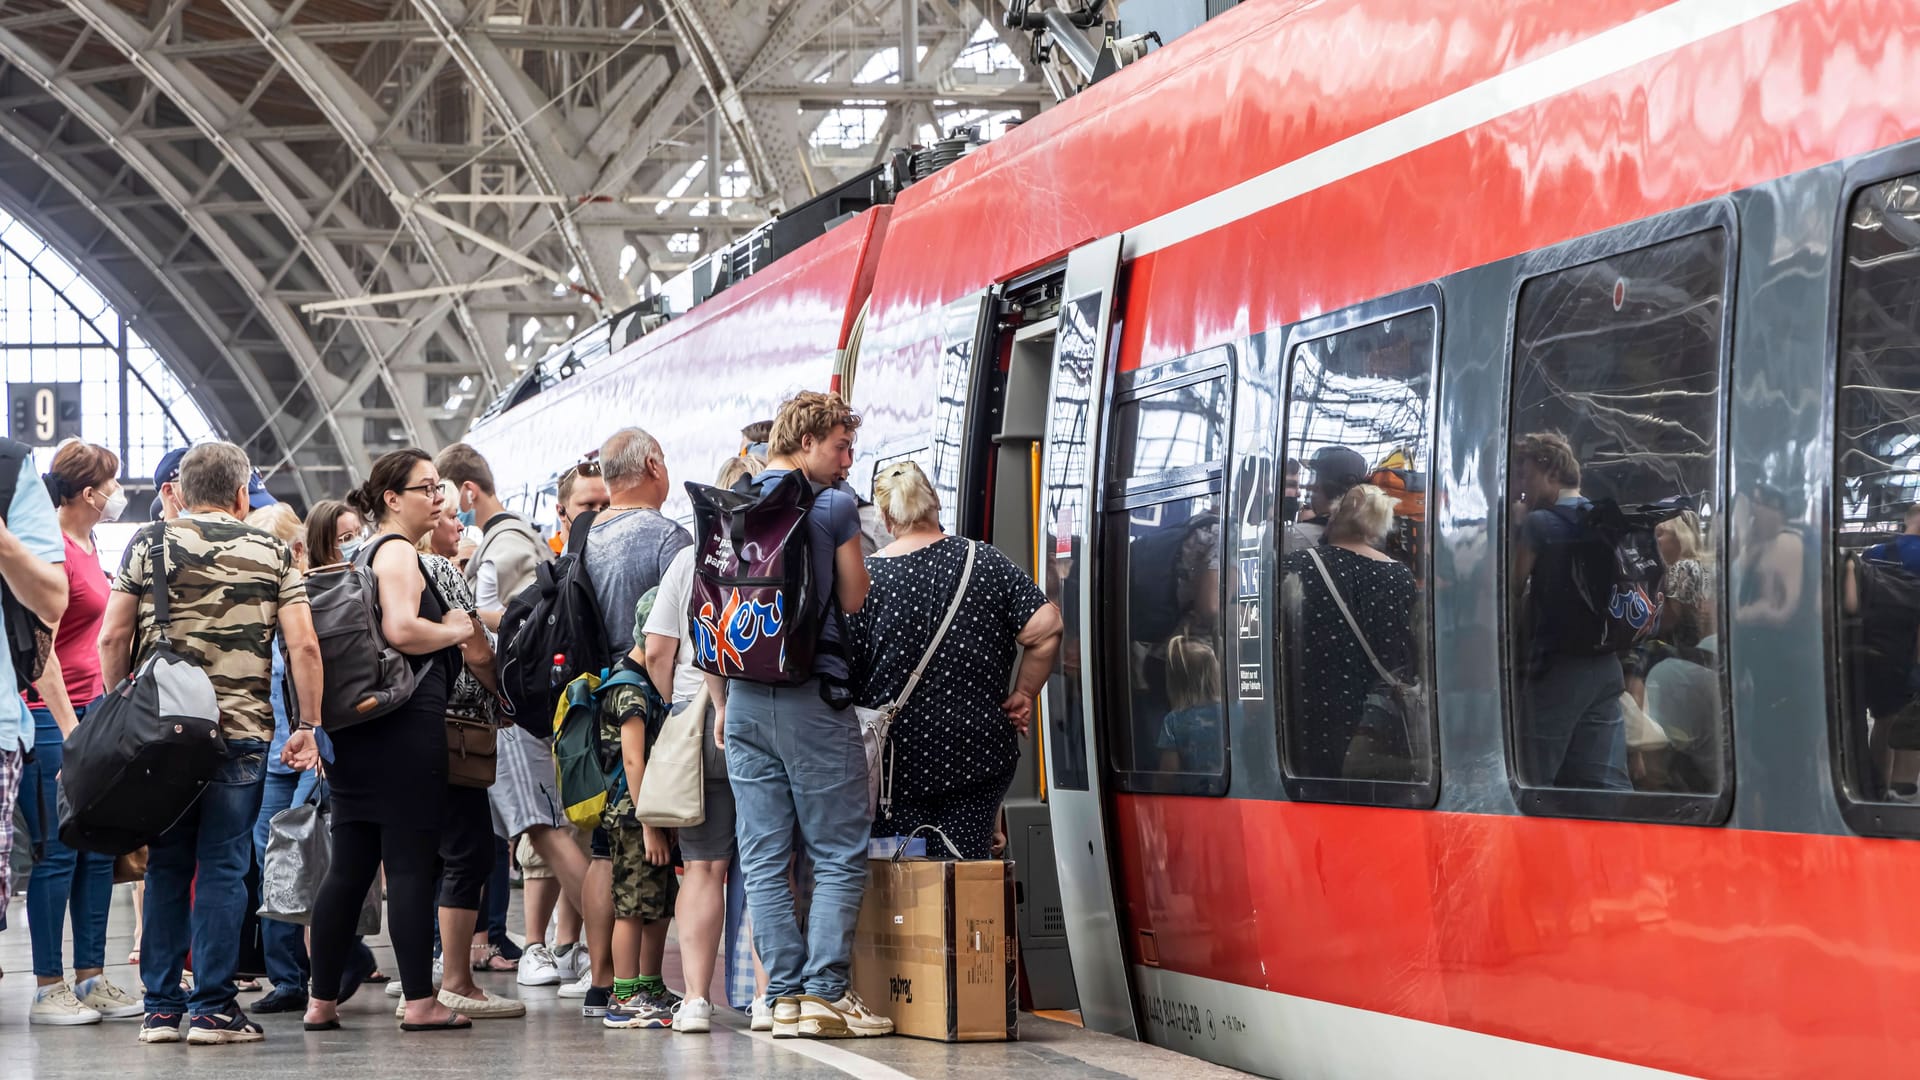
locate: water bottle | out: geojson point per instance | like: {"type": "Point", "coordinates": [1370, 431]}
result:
{"type": "Point", "coordinates": [559, 676]}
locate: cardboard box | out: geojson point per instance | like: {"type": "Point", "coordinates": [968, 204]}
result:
{"type": "Point", "coordinates": [935, 949]}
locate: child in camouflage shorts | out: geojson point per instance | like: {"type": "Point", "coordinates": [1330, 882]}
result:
{"type": "Point", "coordinates": [644, 884]}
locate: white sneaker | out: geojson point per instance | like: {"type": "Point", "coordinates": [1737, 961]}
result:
{"type": "Point", "coordinates": [848, 1018]}
{"type": "Point", "coordinates": [762, 1015]}
{"type": "Point", "coordinates": [394, 988]}
{"type": "Point", "coordinates": [100, 995]}
{"type": "Point", "coordinates": [574, 963]}
{"type": "Point", "coordinates": [537, 967]}
{"type": "Point", "coordinates": [695, 1015]}
{"type": "Point", "coordinates": [579, 987]}
{"type": "Point", "coordinates": [783, 1018]}
{"type": "Point", "coordinates": [56, 1005]}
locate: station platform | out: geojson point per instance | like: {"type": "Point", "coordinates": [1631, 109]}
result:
{"type": "Point", "coordinates": [553, 1041]}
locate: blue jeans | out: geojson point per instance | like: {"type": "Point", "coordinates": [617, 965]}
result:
{"type": "Point", "coordinates": [197, 889]}
{"type": "Point", "coordinates": [63, 879]}
{"type": "Point", "coordinates": [284, 943]}
{"type": "Point", "coordinates": [1572, 733]}
{"type": "Point", "coordinates": [796, 761]}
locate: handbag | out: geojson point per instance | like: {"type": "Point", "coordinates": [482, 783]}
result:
{"type": "Point", "coordinates": [1393, 707]}
{"type": "Point", "coordinates": [130, 867]}
{"type": "Point", "coordinates": [299, 850]}
{"type": "Point", "coordinates": [672, 791]}
{"type": "Point", "coordinates": [473, 748]}
{"type": "Point", "coordinates": [877, 723]}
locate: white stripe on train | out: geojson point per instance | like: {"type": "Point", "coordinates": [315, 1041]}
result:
{"type": "Point", "coordinates": [1304, 1039]}
{"type": "Point", "coordinates": [1607, 53]}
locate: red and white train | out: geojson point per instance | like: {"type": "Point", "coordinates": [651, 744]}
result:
{"type": "Point", "coordinates": [1685, 232]}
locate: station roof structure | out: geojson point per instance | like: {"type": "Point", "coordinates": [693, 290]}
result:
{"type": "Point", "coordinates": [347, 224]}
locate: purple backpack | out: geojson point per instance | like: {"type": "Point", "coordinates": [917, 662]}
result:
{"type": "Point", "coordinates": [753, 610]}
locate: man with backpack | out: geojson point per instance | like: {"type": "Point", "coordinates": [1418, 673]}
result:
{"type": "Point", "coordinates": [793, 748]}
{"type": "Point", "coordinates": [1571, 732]}
{"type": "Point", "coordinates": [628, 549]}
{"type": "Point", "coordinates": [31, 551]}
{"type": "Point", "coordinates": [229, 587]}
{"type": "Point", "coordinates": [523, 797]}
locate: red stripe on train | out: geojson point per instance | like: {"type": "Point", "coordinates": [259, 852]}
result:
{"type": "Point", "coordinates": [1718, 952]}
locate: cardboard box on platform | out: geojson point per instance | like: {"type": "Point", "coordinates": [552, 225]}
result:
{"type": "Point", "coordinates": [935, 949]}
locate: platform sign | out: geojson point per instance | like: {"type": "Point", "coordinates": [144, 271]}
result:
{"type": "Point", "coordinates": [43, 413]}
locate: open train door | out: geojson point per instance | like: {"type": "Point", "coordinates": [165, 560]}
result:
{"type": "Point", "coordinates": [1070, 455]}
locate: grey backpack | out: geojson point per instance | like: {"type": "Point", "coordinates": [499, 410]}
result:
{"type": "Point", "coordinates": [364, 677]}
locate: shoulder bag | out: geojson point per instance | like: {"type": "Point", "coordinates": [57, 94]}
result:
{"type": "Point", "coordinates": [1393, 708]}
{"type": "Point", "coordinates": [672, 791]}
{"type": "Point", "coordinates": [876, 723]}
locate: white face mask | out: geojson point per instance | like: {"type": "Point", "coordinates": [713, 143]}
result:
{"type": "Point", "coordinates": [116, 505]}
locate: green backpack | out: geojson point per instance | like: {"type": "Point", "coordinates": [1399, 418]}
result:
{"type": "Point", "coordinates": [579, 754]}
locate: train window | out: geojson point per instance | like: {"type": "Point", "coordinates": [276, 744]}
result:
{"type": "Point", "coordinates": [1877, 496]}
{"type": "Point", "coordinates": [1615, 531]}
{"type": "Point", "coordinates": [1168, 433]}
{"type": "Point", "coordinates": [1162, 552]}
{"type": "Point", "coordinates": [1352, 627]}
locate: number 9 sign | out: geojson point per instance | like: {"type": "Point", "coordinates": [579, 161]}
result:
{"type": "Point", "coordinates": [43, 414]}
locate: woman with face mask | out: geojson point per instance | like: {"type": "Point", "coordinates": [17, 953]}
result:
{"type": "Point", "coordinates": [85, 488]}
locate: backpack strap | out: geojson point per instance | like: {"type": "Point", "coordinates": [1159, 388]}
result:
{"type": "Point", "coordinates": [577, 533]}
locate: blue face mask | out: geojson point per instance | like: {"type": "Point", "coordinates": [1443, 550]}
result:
{"type": "Point", "coordinates": [466, 519]}
{"type": "Point", "coordinates": [351, 548]}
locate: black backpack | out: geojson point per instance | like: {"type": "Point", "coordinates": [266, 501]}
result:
{"type": "Point", "coordinates": [550, 634]}
{"type": "Point", "coordinates": [1617, 575]}
{"type": "Point", "coordinates": [28, 639]}
{"type": "Point", "coordinates": [147, 750]}
{"type": "Point", "coordinates": [363, 676]}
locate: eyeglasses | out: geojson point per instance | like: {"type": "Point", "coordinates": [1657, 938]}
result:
{"type": "Point", "coordinates": [431, 491]}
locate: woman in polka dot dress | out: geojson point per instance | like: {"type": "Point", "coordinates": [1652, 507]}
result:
{"type": "Point", "coordinates": [957, 740]}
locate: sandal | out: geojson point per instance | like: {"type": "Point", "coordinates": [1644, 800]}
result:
{"type": "Point", "coordinates": [134, 958]}
{"type": "Point", "coordinates": [488, 958]}
{"type": "Point", "coordinates": [378, 978]}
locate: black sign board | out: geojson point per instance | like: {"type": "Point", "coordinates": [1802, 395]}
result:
{"type": "Point", "coordinates": [43, 413]}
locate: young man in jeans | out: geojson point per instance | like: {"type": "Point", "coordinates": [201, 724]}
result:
{"type": "Point", "coordinates": [795, 756]}
{"type": "Point", "coordinates": [230, 587]}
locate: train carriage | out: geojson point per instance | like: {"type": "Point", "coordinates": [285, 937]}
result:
{"type": "Point", "coordinates": [1686, 236]}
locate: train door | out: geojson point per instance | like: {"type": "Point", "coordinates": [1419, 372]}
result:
{"type": "Point", "coordinates": [1070, 451]}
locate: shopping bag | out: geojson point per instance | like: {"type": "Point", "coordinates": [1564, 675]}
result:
{"type": "Point", "coordinates": [673, 789]}
{"type": "Point", "coordinates": [935, 948]}
{"type": "Point", "coordinates": [298, 854]}
{"type": "Point", "coordinates": [369, 923]}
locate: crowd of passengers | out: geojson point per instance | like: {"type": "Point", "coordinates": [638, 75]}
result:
{"type": "Point", "coordinates": [785, 799]}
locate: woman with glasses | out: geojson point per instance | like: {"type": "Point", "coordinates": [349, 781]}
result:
{"type": "Point", "coordinates": [333, 533]}
{"type": "Point", "coordinates": [389, 776]}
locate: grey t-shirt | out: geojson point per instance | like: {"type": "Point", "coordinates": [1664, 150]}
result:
{"type": "Point", "coordinates": [628, 552]}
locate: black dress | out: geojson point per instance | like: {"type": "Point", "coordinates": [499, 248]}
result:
{"type": "Point", "coordinates": [392, 770]}
{"type": "Point", "coordinates": [1329, 675]}
{"type": "Point", "coordinates": [951, 742]}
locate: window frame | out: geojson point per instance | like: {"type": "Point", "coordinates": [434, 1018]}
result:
{"type": "Point", "coordinates": [1670, 808]}
{"type": "Point", "coordinates": [1122, 496]}
{"type": "Point", "coordinates": [1422, 795]}
{"type": "Point", "coordinates": [1864, 816]}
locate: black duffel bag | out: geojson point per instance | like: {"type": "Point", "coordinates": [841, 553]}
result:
{"type": "Point", "coordinates": [147, 749]}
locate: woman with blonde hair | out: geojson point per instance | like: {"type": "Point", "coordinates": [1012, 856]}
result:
{"type": "Point", "coordinates": [955, 739]}
{"type": "Point", "coordinates": [1349, 614]}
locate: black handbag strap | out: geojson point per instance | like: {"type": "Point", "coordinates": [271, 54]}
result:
{"type": "Point", "coordinates": [157, 581]}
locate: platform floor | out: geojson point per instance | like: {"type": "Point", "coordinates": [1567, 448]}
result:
{"type": "Point", "coordinates": [553, 1042]}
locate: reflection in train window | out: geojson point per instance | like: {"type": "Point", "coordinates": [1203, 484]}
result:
{"type": "Point", "coordinates": [1166, 432]}
{"type": "Point", "coordinates": [1878, 445]}
{"type": "Point", "coordinates": [1615, 530]}
{"type": "Point", "coordinates": [1352, 628]}
{"type": "Point", "coordinates": [1164, 561]}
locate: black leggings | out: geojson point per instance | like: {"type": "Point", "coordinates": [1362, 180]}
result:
{"type": "Point", "coordinates": [466, 848]}
{"type": "Point", "coordinates": [412, 859]}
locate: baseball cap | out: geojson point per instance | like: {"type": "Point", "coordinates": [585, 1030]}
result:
{"type": "Point", "coordinates": [257, 493]}
{"type": "Point", "coordinates": [1338, 468]}
{"type": "Point", "coordinates": [168, 470]}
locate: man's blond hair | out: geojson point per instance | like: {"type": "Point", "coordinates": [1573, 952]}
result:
{"type": "Point", "coordinates": [811, 413]}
